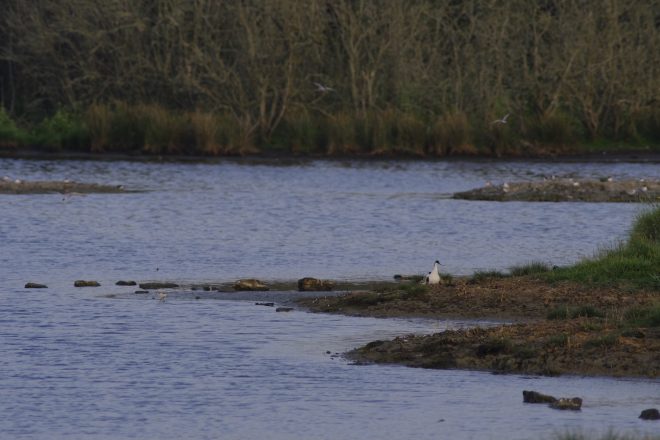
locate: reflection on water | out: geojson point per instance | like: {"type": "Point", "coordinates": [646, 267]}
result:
{"type": "Point", "coordinates": [76, 364]}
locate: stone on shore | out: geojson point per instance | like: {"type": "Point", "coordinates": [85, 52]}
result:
{"type": "Point", "coordinates": [250, 284]}
{"type": "Point", "coordinates": [574, 403]}
{"type": "Point", "coordinates": [154, 286]}
{"type": "Point", "coordinates": [126, 283]}
{"type": "Point", "coordinates": [35, 286]}
{"type": "Point", "coordinates": [84, 283]}
{"type": "Point", "coordinates": [536, 397]}
{"type": "Point", "coordinates": [309, 284]}
{"type": "Point", "coordinates": [650, 414]}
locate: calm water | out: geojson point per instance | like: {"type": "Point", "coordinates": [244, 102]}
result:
{"type": "Point", "coordinates": [77, 364]}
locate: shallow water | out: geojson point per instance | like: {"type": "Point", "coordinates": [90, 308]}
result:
{"type": "Point", "coordinates": [77, 364]}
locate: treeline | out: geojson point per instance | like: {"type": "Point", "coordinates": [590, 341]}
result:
{"type": "Point", "coordinates": [329, 76]}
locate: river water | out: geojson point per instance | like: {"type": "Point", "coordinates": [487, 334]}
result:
{"type": "Point", "coordinates": [77, 363]}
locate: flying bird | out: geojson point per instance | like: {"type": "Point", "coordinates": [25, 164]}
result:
{"type": "Point", "coordinates": [501, 121]}
{"type": "Point", "coordinates": [323, 88]}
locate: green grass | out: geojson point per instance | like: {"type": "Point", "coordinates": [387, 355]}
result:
{"type": "Point", "coordinates": [643, 316]}
{"type": "Point", "coordinates": [10, 134]}
{"type": "Point", "coordinates": [532, 268]}
{"type": "Point", "coordinates": [634, 263]}
{"type": "Point", "coordinates": [482, 275]}
{"type": "Point", "coordinates": [153, 128]}
{"type": "Point", "coordinates": [565, 312]}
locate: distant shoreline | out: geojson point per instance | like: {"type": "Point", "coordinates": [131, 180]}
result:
{"type": "Point", "coordinates": [636, 156]}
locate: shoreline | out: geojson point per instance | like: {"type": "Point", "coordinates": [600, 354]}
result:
{"type": "Point", "coordinates": [555, 329]}
{"type": "Point", "coordinates": [634, 156]}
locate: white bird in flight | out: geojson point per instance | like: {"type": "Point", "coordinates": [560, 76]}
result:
{"type": "Point", "coordinates": [323, 88]}
{"type": "Point", "coordinates": [501, 121]}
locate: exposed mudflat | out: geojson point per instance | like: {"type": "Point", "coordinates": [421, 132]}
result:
{"type": "Point", "coordinates": [568, 190]}
{"type": "Point", "coordinates": [594, 342]}
{"type": "Point", "coordinates": [578, 346]}
{"type": "Point", "coordinates": [17, 186]}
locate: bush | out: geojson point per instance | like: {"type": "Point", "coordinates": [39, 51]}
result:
{"type": "Point", "coordinates": [10, 134]}
{"type": "Point", "coordinates": [63, 130]}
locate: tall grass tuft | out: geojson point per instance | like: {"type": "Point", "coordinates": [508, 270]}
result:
{"type": "Point", "coordinates": [553, 129]}
{"type": "Point", "coordinates": [450, 134]}
{"type": "Point", "coordinates": [166, 132]}
{"type": "Point", "coordinates": [342, 134]}
{"type": "Point", "coordinates": [533, 268]}
{"type": "Point", "coordinates": [644, 316]}
{"type": "Point", "coordinates": [99, 121]}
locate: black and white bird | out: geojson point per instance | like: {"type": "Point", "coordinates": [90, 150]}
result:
{"type": "Point", "coordinates": [433, 277]}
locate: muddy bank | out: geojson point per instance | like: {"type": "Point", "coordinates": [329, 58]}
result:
{"type": "Point", "coordinates": [585, 346]}
{"type": "Point", "coordinates": [18, 186]}
{"type": "Point", "coordinates": [562, 328]}
{"type": "Point", "coordinates": [510, 298]}
{"type": "Point", "coordinates": [568, 190]}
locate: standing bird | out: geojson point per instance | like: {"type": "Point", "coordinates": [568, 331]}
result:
{"type": "Point", "coordinates": [434, 275]}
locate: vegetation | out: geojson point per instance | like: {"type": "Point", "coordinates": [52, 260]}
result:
{"type": "Point", "coordinates": [634, 263]}
{"type": "Point", "coordinates": [608, 436]}
{"type": "Point", "coordinates": [586, 311]}
{"type": "Point", "coordinates": [532, 268]}
{"type": "Point", "coordinates": [335, 77]}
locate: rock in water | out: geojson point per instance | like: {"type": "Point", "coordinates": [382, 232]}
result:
{"type": "Point", "coordinates": [83, 283]}
{"type": "Point", "coordinates": [650, 414]}
{"type": "Point", "coordinates": [250, 284]}
{"type": "Point", "coordinates": [35, 286]}
{"type": "Point", "coordinates": [312, 284]}
{"type": "Point", "coordinates": [154, 286]}
{"type": "Point", "coordinates": [284, 309]}
{"type": "Point", "coordinates": [574, 403]}
{"type": "Point", "coordinates": [535, 397]}
{"type": "Point", "coordinates": [126, 283]}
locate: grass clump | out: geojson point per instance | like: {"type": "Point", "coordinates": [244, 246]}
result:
{"type": "Point", "coordinates": [643, 316]}
{"type": "Point", "coordinates": [635, 262]}
{"type": "Point", "coordinates": [481, 275]}
{"type": "Point", "coordinates": [565, 312]}
{"type": "Point", "coordinates": [558, 340]}
{"type": "Point", "coordinates": [602, 341]}
{"type": "Point", "coordinates": [532, 268]}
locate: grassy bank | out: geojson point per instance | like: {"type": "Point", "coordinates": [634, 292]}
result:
{"type": "Point", "coordinates": [633, 264]}
{"type": "Point", "coordinates": [598, 317]}
{"type": "Point", "coordinates": [155, 130]}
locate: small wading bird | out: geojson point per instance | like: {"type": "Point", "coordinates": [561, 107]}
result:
{"type": "Point", "coordinates": [501, 121]}
{"type": "Point", "coordinates": [323, 88]}
{"type": "Point", "coordinates": [162, 296]}
{"type": "Point", "coordinates": [434, 276]}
